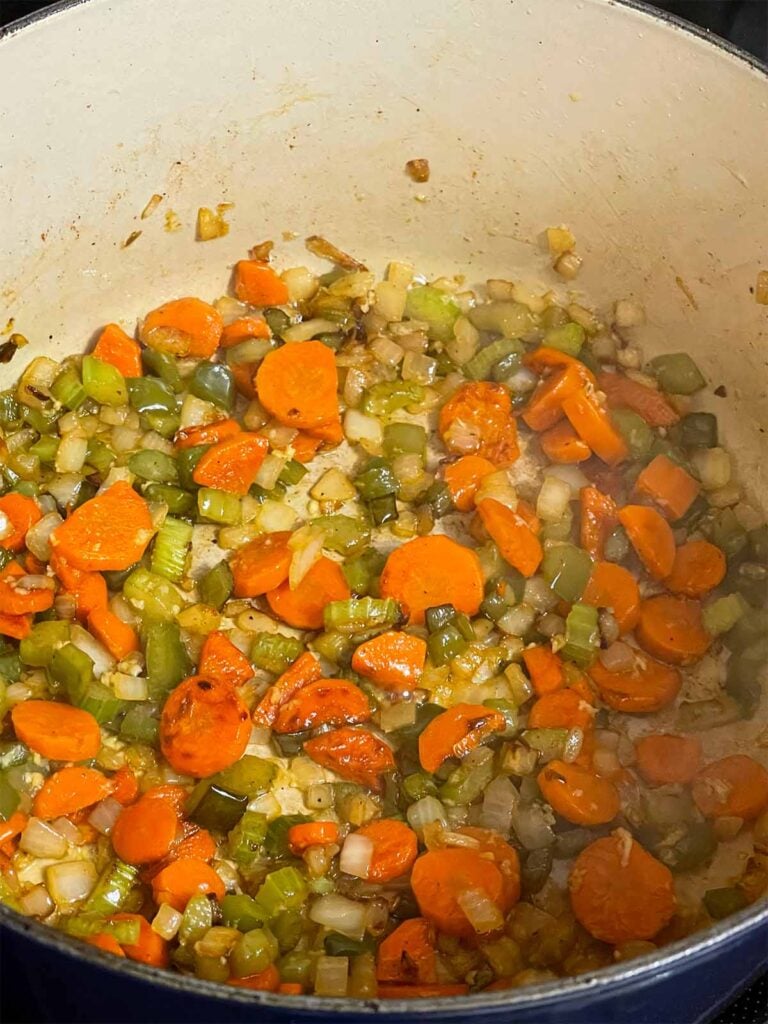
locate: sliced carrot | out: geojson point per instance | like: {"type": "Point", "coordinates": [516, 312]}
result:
{"type": "Point", "coordinates": [545, 669]}
{"type": "Point", "coordinates": [257, 284]}
{"type": "Point", "coordinates": [623, 392]}
{"type": "Point", "coordinates": [105, 941]}
{"type": "Point", "coordinates": [599, 517]}
{"type": "Point", "coordinates": [305, 446]}
{"type": "Point", "coordinates": [407, 955]}
{"type": "Point", "coordinates": [303, 607]}
{"type": "Point", "coordinates": [514, 538]}
{"type": "Point", "coordinates": [505, 857]}
{"type": "Point", "coordinates": [393, 660]}
{"type": "Point", "coordinates": [119, 350]}
{"type": "Point", "coordinates": [442, 991]}
{"type": "Point", "coordinates": [593, 425]}
{"type": "Point", "coordinates": [16, 626]}
{"type": "Point", "coordinates": [15, 599]}
{"type": "Point", "coordinates": [652, 538]}
{"type": "Point", "coordinates": [184, 878]}
{"type": "Point", "coordinates": [441, 877]}
{"type": "Point", "coordinates": [232, 465]}
{"type": "Point", "coordinates": [455, 732]}
{"type": "Point", "coordinates": [698, 568]}
{"type": "Point", "coordinates": [577, 794]}
{"type": "Point", "coordinates": [648, 686]}
{"type": "Point", "coordinates": [619, 892]}
{"type": "Point", "coordinates": [183, 327]}
{"type": "Point", "coordinates": [354, 754]}
{"type": "Point", "coordinates": [394, 849]}
{"type": "Point", "coordinates": [125, 786]}
{"type": "Point", "coordinates": [463, 478]}
{"type": "Point", "coordinates": [207, 433]}
{"type": "Point", "coordinates": [261, 565]}
{"type": "Point", "coordinates": [222, 661]}
{"type": "Point", "coordinates": [545, 359]}
{"type": "Point", "coordinates": [69, 790]}
{"type": "Point", "coordinates": [312, 833]}
{"type": "Point", "coordinates": [330, 433]}
{"type": "Point", "coordinates": [243, 329]}
{"type": "Point", "coordinates": [613, 587]}
{"type": "Point", "coordinates": [477, 420]}
{"type": "Point", "coordinates": [735, 786]}
{"type": "Point", "coordinates": [671, 628]}
{"type": "Point", "coordinates": [306, 669]}
{"type": "Point", "coordinates": [117, 636]}
{"type": "Point", "coordinates": [111, 531]}
{"type": "Point", "coordinates": [145, 831]}
{"type": "Point", "coordinates": [527, 513]}
{"type": "Point", "coordinates": [198, 843]}
{"type": "Point", "coordinates": [562, 444]}
{"type": "Point", "coordinates": [433, 570]}
{"type": "Point", "coordinates": [150, 947]}
{"type": "Point", "coordinates": [668, 484]}
{"type": "Point", "coordinates": [563, 709]}
{"type": "Point", "coordinates": [267, 980]}
{"type": "Point", "coordinates": [545, 406]}
{"type": "Point", "coordinates": [10, 830]}
{"type": "Point", "coordinates": [22, 513]}
{"type": "Point", "coordinates": [290, 988]}
{"type": "Point", "coordinates": [89, 589]}
{"type": "Point", "coordinates": [298, 385]}
{"type": "Point", "coordinates": [57, 731]}
{"type": "Point", "coordinates": [204, 727]}
{"type": "Point", "coordinates": [663, 759]}
{"type": "Point", "coordinates": [324, 702]}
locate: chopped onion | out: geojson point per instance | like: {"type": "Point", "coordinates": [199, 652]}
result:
{"type": "Point", "coordinates": [114, 415]}
{"type": "Point", "coordinates": [269, 471]}
{"type": "Point", "coordinates": [605, 762]}
{"type": "Point", "coordinates": [463, 437]}
{"type": "Point", "coordinates": [64, 488]}
{"type": "Point", "coordinates": [725, 497]}
{"type": "Point", "coordinates": [333, 486]}
{"type": "Point", "coordinates": [115, 475]}
{"type": "Point", "coordinates": [551, 625]}
{"type": "Point", "coordinates": [36, 902]}
{"type": "Point", "coordinates": [609, 626]}
{"type": "Point", "coordinates": [573, 744]}
{"type": "Point", "coordinates": [301, 283]}
{"type": "Point", "coordinates": [408, 468]}
{"type": "Point", "coordinates": [554, 499]}
{"type": "Point", "coordinates": [41, 840]}
{"type": "Point", "coordinates": [125, 439]}
{"type": "Point", "coordinates": [7, 528]}
{"type": "Point", "coordinates": [499, 801]}
{"type": "Point", "coordinates": [619, 657]}
{"type": "Point", "coordinates": [255, 416]}
{"type": "Point", "coordinates": [195, 412]}
{"type": "Point", "coordinates": [532, 824]}
{"type": "Point", "coordinates": [631, 357]}
{"type": "Point", "coordinates": [713, 466]}
{"type": "Point", "coordinates": [518, 620]}
{"type": "Point", "coordinates": [522, 381]}
{"type": "Point", "coordinates": [604, 348]}
{"type": "Point", "coordinates": [38, 538]}
{"type": "Point", "coordinates": [339, 914]}
{"type": "Point", "coordinates": [425, 812]}
{"type": "Point", "coordinates": [37, 378]}
{"type": "Point", "coordinates": [305, 330]}
{"type": "Point", "coordinates": [70, 882]}
{"type": "Point", "coordinates": [396, 715]}
{"type": "Point", "coordinates": [128, 687]}
{"type": "Point", "coordinates": [538, 594]}
{"type": "Point", "coordinates": [481, 912]}
{"type": "Point", "coordinates": [356, 854]}
{"type": "Point", "coordinates": [499, 487]}
{"type": "Point", "coordinates": [34, 581]}
{"type": "Point", "coordinates": [353, 286]}
{"type": "Point", "coordinates": [390, 304]}
{"type": "Point", "coordinates": [275, 516]}
{"type": "Point", "coordinates": [307, 546]}
{"type": "Point", "coordinates": [749, 517]}
{"type": "Point", "coordinates": [331, 975]}
{"type": "Point", "coordinates": [104, 815]}
{"type": "Point", "coordinates": [319, 796]}
{"type": "Point", "coordinates": [628, 313]}
{"type": "Point", "coordinates": [99, 655]}
{"type": "Point", "coordinates": [465, 341]}
{"type": "Point", "coordinates": [166, 922]}
{"type": "Point", "coordinates": [363, 429]}
{"type": "Point", "coordinates": [419, 368]}
{"type": "Point", "coordinates": [571, 475]}
{"type": "Point", "coordinates": [68, 829]}
{"type": "Point", "coordinates": [232, 537]}
{"type": "Point", "coordinates": [355, 383]}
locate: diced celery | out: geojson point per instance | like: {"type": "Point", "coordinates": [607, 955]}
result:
{"type": "Point", "coordinates": [38, 647]}
{"type": "Point", "coordinates": [242, 912]}
{"type": "Point", "coordinates": [482, 362]}
{"type": "Point", "coordinates": [156, 467]}
{"type": "Point", "coordinates": [164, 423]}
{"type": "Point", "coordinates": [362, 571]}
{"type": "Point", "coordinates": [404, 439]}
{"type": "Point", "coordinates": [68, 389]}
{"type": "Point", "coordinates": [510, 712]}
{"type": "Point", "coordinates": [213, 382]}
{"type": "Point", "coordinates": [383, 510]}
{"type": "Point", "coordinates": [73, 670]}
{"type": "Point", "coordinates": [215, 587]}
{"type": "Point", "coordinates": [510, 319]}
{"type": "Point", "coordinates": [635, 431]}
{"type": "Point", "coordinates": [246, 837]}
{"type": "Point", "coordinates": [9, 798]}
{"type": "Point", "coordinates": [274, 652]}
{"type": "Point", "coordinates": [83, 924]}
{"type": "Point", "coordinates": [567, 338]}
{"type": "Point", "coordinates": [45, 448]}
{"type": "Point", "coordinates": [253, 953]}
{"type": "Point", "coordinates": [677, 373]}
{"type": "Point", "coordinates": [166, 658]}
{"type": "Point", "coordinates": [218, 506]}
{"type": "Point", "coordinates": [214, 807]}
{"type": "Point", "coordinates": [744, 675]}
{"type": "Point", "coordinates": [582, 634]}
{"type": "Point", "coordinates": [376, 480]}
{"type": "Point", "coordinates": [99, 701]}
{"type": "Point", "coordinates": [103, 382]}
{"type": "Point", "coordinates": [722, 615]}
{"type": "Point", "coordinates": [296, 968]}
{"type": "Point", "coordinates": [723, 902]}
{"type": "Point", "coordinates": [385, 397]}
{"type": "Point", "coordinates": [163, 366]}
{"type": "Point", "coordinates": [698, 430]}
{"type": "Point", "coordinates": [112, 889]}
{"type": "Point", "coordinates": [152, 596]}
{"type": "Point", "coordinates": [141, 723]}
{"type": "Point", "coordinates": [727, 533]}
{"type": "Point", "coordinates": [334, 647]}
{"type": "Point", "coordinates": [179, 502]}
{"type": "Point", "coordinates": [436, 308]}
{"type": "Point", "coordinates": [146, 394]}
{"type": "Point", "coordinates": [170, 549]}
{"type": "Point", "coordinates": [196, 920]}
{"type": "Point", "coordinates": [445, 644]}
{"type": "Point", "coordinates": [437, 498]}
{"type": "Point", "coordinates": [249, 776]}
{"type": "Point", "coordinates": [293, 472]}
{"type": "Point", "coordinates": [567, 570]}
{"type": "Point", "coordinates": [100, 456]}
{"type": "Point", "coordinates": [550, 743]}
{"type": "Point", "coordinates": [358, 615]}
{"type": "Point", "coordinates": [343, 534]}
{"type": "Point", "coordinates": [284, 889]}
{"type": "Point", "coordinates": [466, 783]}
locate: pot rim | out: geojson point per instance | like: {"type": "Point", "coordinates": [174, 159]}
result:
{"type": "Point", "coordinates": [642, 971]}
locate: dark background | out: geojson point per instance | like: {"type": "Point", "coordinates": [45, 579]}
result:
{"type": "Point", "coordinates": [744, 23]}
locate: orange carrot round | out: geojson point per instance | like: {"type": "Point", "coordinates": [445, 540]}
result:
{"type": "Point", "coordinates": [668, 485]}
{"type": "Point", "coordinates": [324, 702]}
{"type": "Point", "coordinates": [258, 284]}
{"type": "Point", "coordinates": [545, 406]}
{"type": "Point", "coordinates": [118, 637]}
{"type": "Point", "coordinates": [184, 878]}
{"type": "Point", "coordinates": [105, 941]}
{"type": "Point", "coordinates": [664, 759]}
{"type": "Point", "coordinates": [57, 731]}
{"type": "Point", "coordinates": [670, 628]}
{"type": "Point", "coordinates": [477, 420]}
{"type": "Point", "coordinates": [119, 350]}
{"type": "Point", "coordinates": [698, 568]}
{"type": "Point", "coordinates": [594, 426]}
{"type": "Point", "coordinates": [562, 444]}
{"type": "Point", "coordinates": [505, 858]}
{"type": "Point", "coordinates": [111, 531]}
{"type": "Point", "coordinates": [563, 709]}
{"type": "Point", "coordinates": [175, 796]}
{"type": "Point", "coordinates": [578, 795]}
{"type": "Point", "coordinates": [393, 660]}
{"type": "Point", "coordinates": [433, 570]}
{"type": "Point", "coordinates": [15, 600]}
{"type": "Point", "coordinates": [150, 947]}
{"type": "Point", "coordinates": [623, 392]}
{"type": "Point", "coordinates": [69, 790]}
{"type": "Point", "coordinates": [22, 513]}
{"type": "Point", "coordinates": [613, 587]}
{"type": "Point", "coordinates": [206, 433]}
{"type": "Point", "coordinates": [545, 669]}
{"type": "Point", "coordinates": [298, 385]}
{"type": "Point", "coordinates": [304, 606]}
{"type": "Point", "coordinates": [619, 892]}
{"type": "Point", "coordinates": [232, 465]}
{"type": "Point", "coordinates": [312, 833]}
{"type": "Point", "coordinates": [394, 849]}
{"type": "Point", "coordinates": [183, 327]}
{"type": "Point", "coordinates": [463, 478]}
{"type": "Point", "coordinates": [125, 787]}
{"type": "Point", "coordinates": [648, 686]}
{"type": "Point", "coordinates": [354, 754]}
{"type": "Point", "coordinates": [652, 538]}
{"type": "Point", "coordinates": [439, 879]}
{"type": "Point", "coordinates": [457, 731]}
{"type": "Point", "coordinates": [407, 955]}
{"type": "Point", "coordinates": [145, 831]}
{"type": "Point", "coordinates": [222, 661]}
{"type": "Point", "coordinates": [306, 669]}
{"type": "Point", "coordinates": [514, 538]}
{"type": "Point", "coordinates": [735, 786]}
{"type": "Point", "coordinates": [261, 565]}
{"type": "Point", "coordinates": [204, 727]}
{"type": "Point", "coordinates": [198, 843]}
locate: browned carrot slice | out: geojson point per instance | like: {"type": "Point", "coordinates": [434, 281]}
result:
{"type": "Point", "coordinates": [118, 637]}
{"type": "Point", "coordinates": [69, 790]}
{"type": "Point", "coordinates": [354, 754]}
{"type": "Point", "coordinates": [433, 570]}
{"type": "Point", "coordinates": [664, 759]}
{"type": "Point", "coordinates": [393, 660]}
{"type": "Point", "coordinates": [735, 786]}
{"type": "Point", "coordinates": [477, 420]}
{"type": "Point", "coordinates": [207, 433]}
{"type": "Point", "coordinates": [563, 709]}
{"type": "Point", "coordinates": [514, 538]}
{"type": "Point", "coordinates": [261, 565]}
{"type": "Point", "coordinates": [698, 568]}
{"type": "Point", "coordinates": [652, 538]}
{"type": "Point", "coordinates": [183, 879]}
{"type": "Point", "coordinates": [298, 384]}
{"type": "Point", "coordinates": [648, 686]}
{"type": "Point", "coordinates": [457, 731]}
{"type": "Point", "coordinates": [145, 831]}
{"type": "Point", "coordinates": [57, 731]}
{"type": "Point", "coordinates": [304, 606]}
{"type": "Point", "coordinates": [407, 955]}
{"type": "Point", "coordinates": [545, 669]}
{"type": "Point", "coordinates": [324, 702]}
{"type": "Point", "coordinates": [394, 849]}
{"type": "Point", "coordinates": [622, 392]}
{"type": "Point", "coordinates": [305, 670]}
{"type": "Point", "coordinates": [670, 628]}
{"type": "Point", "coordinates": [577, 794]}
{"type": "Point", "coordinates": [222, 661]}
{"type": "Point", "coordinates": [562, 444]}
{"type": "Point", "coordinates": [545, 406]}
{"type": "Point", "coordinates": [204, 727]}
{"type": "Point", "coordinates": [440, 879]}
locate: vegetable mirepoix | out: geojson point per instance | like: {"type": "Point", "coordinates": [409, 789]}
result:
{"type": "Point", "coordinates": [338, 602]}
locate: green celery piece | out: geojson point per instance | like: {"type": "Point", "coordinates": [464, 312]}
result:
{"type": "Point", "coordinates": [253, 953]}
{"type": "Point", "coordinates": [246, 837]}
{"type": "Point", "coordinates": [445, 644]}
{"type": "Point", "coordinates": [722, 615]}
{"type": "Point", "coordinates": [698, 430]}
{"type": "Point", "coordinates": [179, 502]}
{"type": "Point", "coordinates": [466, 783]}
{"type": "Point", "coordinates": [141, 723]}
{"type": "Point", "coordinates": [383, 510]}
{"type": "Point", "coordinates": [334, 647]}
{"type": "Point", "coordinates": [567, 338]}
{"type": "Point", "coordinates": [170, 548]}
{"type": "Point", "coordinates": [100, 456]}
{"type": "Point", "coordinates": [166, 658]}
{"type": "Point", "coordinates": [213, 382]}
{"type": "Point", "coordinates": [103, 382]}
{"type": "Point", "coordinates": [152, 596]}
{"type": "Point", "coordinates": [723, 902]}
{"type": "Point", "coordinates": [82, 925]}
{"type": "Point", "coordinates": [376, 480]}
{"type": "Point", "coordinates": [418, 785]}
{"type": "Point", "coordinates": [293, 472]}
{"type": "Point", "coordinates": [343, 534]}
{"type": "Point", "coordinates": [743, 679]}
{"type": "Point", "coordinates": [249, 776]}
{"type": "Point", "coordinates": [284, 889]}
{"type": "Point", "coordinates": [437, 309]}
{"type": "Point", "coordinates": [196, 920]}
{"type": "Point", "coordinates": [439, 615]}
{"type": "Point", "coordinates": [510, 319]}
{"type": "Point", "coordinates": [146, 394]}
{"type": "Point", "coordinates": [359, 614]}
{"type": "Point", "coordinates": [99, 701]}
{"type": "Point", "coordinates": [242, 912]}
{"type": "Point", "coordinates": [38, 647]}
{"type": "Point", "coordinates": [581, 634]}
{"type": "Point", "coordinates": [164, 423]}
{"type": "Point", "coordinates": [549, 742]}
{"type": "Point", "coordinates": [163, 366]}
{"type": "Point", "coordinates": [384, 398]}
{"type": "Point", "coordinates": [438, 497]}
{"type": "Point", "coordinates": [155, 467]}
{"type": "Point", "coordinates": [213, 807]}
{"type": "Point", "coordinates": [635, 431]}
{"type": "Point", "coordinates": [68, 389]}
{"type": "Point", "coordinates": [9, 799]}
{"type": "Point", "coordinates": [10, 663]}
{"type": "Point", "coordinates": [215, 587]}
{"type": "Point", "coordinates": [362, 572]}
{"type": "Point", "coordinates": [73, 670]}
{"type": "Point", "coordinates": [677, 373]}
{"type": "Point", "coordinates": [273, 652]}
{"type": "Point", "coordinates": [510, 712]}
{"type": "Point", "coordinates": [728, 534]}
{"type": "Point", "coordinates": [404, 439]}
{"type": "Point", "coordinates": [45, 448]}
{"type": "Point", "coordinates": [567, 570]}
{"type": "Point", "coordinates": [288, 928]}
{"type": "Point", "coordinates": [482, 362]}
{"type": "Point", "coordinates": [112, 889]}
{"type": "Point", "coordinates": [296, 968]}
{"type": "Point", "coordinates": [219, 506]}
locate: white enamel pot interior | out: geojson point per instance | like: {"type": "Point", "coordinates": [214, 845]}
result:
{"type": "Point", "coordinates": [648, 141]}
